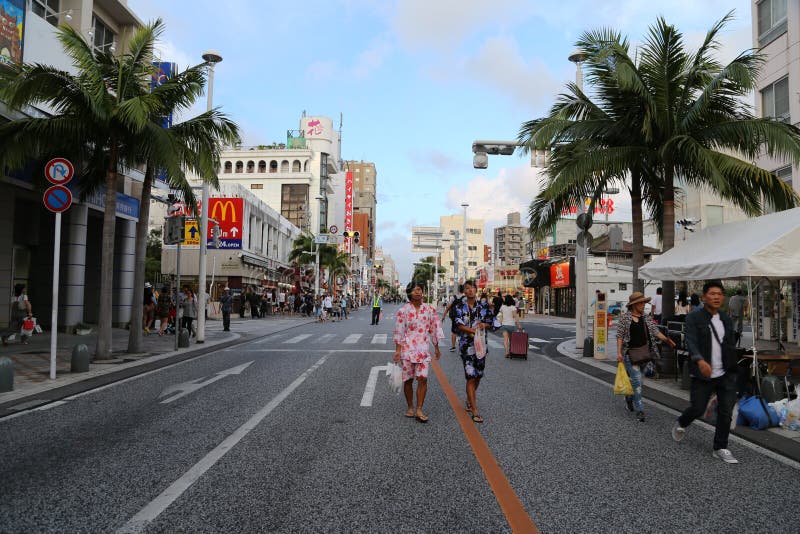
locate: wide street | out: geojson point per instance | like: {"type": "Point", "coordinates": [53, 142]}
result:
{"type": "Point", "coordinates": [298, 432]}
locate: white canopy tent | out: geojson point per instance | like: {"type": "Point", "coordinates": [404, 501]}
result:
{"type": "Point", "coordinates": [762, 247]}
{"type": "Point", "coordinates": [767, 246]}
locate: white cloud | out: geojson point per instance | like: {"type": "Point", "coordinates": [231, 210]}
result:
{"type": "Point", "coordinates": [371, 59]}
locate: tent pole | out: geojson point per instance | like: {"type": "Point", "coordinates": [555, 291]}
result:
{"type": "Point", "coordinates": [753, 331]}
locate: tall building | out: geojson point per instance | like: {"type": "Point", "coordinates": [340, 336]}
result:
{"type": "Point", "coordinates": [365, 191]}
{"type": "Point", "coordinates": [473, 246]}
{"type": "Point", "coordinates": [299, 178]}
{"type": "Point", "coordinates": [509, 241]}
{"type": "Point", "coordinates": [26, 233]}
{"type": "Point", "coordinates": [776, 30]}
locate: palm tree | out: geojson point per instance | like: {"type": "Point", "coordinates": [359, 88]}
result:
{"type": "Point", "coordinates": [336, 264]}
{"type": "Point", "coordinates": [690, 119]}
{"type": "Point", "coordinates": [100, 121]}
{"type": "Point", "coordinates": [304, 251]}
{"type": "Point", "coordinates": [193, 145]}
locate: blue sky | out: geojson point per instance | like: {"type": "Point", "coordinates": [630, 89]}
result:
{"type": "Point", "coordinates": [416, 82]}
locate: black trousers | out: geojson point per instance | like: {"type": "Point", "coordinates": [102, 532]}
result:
{"type": "Point", "coordinates": [376, 315]}
{"type": "Point", "coordinates": [226, 319]}
{"type": "Point", "coordinates": [700, 393]}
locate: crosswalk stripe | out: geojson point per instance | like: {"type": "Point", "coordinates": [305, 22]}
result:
{"type": "Point", "coordinates": [324, 338]}
{"type": "Point", "coordinates": [496, 344]}
{"type": "Point", "coordinates": [379, 339]}
{"type": "Point", "coordinates": [352, 339]}
{"type": "Point", "coordinates": [298, 339]}
{"type": "Point", "coordinates": [537, 340]}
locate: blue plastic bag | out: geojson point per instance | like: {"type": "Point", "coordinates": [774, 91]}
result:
{"type": "Point", "coordinates": [756, 413]}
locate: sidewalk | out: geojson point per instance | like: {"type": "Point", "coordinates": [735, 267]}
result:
{"type": "Point", "coordinates": [31, 362]}
{"type": "Point", "coordinates": [667, 391]}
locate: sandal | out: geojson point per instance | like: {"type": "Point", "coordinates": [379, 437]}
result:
{"type": "Point", "coordinates": [422, 418]}
{"type": "Point", "coordinates": [477, 418]}
{"type": "Point", "coordinates": [410, 413]}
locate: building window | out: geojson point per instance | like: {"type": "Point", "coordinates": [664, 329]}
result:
{"type": "Point", "coordinates": [785, 174]}
{"type": "Point", "coordinates": [103, 36]}
{"type": "Point", "coordinates": [46, 9]}
{"type": "Point", "coordinates": [296, 165]}
{"type": "Point", "coordinates": [273, 166]}
{"type": "Point", "coordinates": [251, 166]}
{"type": "Point", "coordinates": [239, 167]}
{"type": "Point", "coordinates": [228, 167]}
{"type": "Point", "coordinates": [622, 287]}
{"type": "Point", "coordinates": [771, 20]}
{"type": "Point", "coordinates": [256, 186]}
{"type": "Point", "coordinates": [305, 166]}
{"type": "Point", "coordinates": [294, 199]}
{"type": "Point", "coordinates": [775, 100]}
{"type": "Point", "coordinates": [472, 247]}
{"type": "Point", "coordinates": [262, 166]}
{"type": "Point", "coordinates": [472, 263]}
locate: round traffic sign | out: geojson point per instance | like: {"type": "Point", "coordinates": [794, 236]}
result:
{"type": "Point", "coordinates": [57, 198]}
{"type": "Point", "coordinates": [59, 171]}
{"type": "Point", "coordinates": [333, 229]}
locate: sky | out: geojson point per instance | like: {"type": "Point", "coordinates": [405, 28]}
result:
{"type": "Point", "coordinates": [415, 83]}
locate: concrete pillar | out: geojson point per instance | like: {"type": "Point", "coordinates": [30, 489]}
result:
{"type": "Point", "coordinates": [73, 275]}
{"type": "Point", "coordinates": [123, 272]}
{"type": "Point", "coordinates": [6, 250]}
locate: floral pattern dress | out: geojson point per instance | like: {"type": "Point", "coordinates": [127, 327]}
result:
{"type": "Point", "coordinates": [413, 330]}
{"type": "Point", "coordinates": [470, 317]}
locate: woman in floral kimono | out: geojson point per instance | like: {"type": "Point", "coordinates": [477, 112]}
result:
{"type": "Point", "coordinates": [417, 324]}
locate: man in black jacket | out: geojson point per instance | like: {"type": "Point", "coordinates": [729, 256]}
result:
{"type": "Point", "coordinates": [711, 340]}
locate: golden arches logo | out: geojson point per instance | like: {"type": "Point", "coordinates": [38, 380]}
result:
{"type": "Point", "coordinates": [223, 206]}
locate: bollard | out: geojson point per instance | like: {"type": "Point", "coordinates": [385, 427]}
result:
{"type": "Point", "coordinates": [183, 338]}
{"type": "Point", "coordinates": [588, 347]}
{"type": "Point", "coordinates": [6, 374]}
{"type": "Point", "coordinates": [80, 359]}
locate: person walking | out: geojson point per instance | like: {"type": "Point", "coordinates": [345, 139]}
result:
{"type": "Point", "coordinates": [637, 331]}
{"type": "Point", "coordinates": [497, 302]}
{"type": "Point", "coordinates": [472, 318]}
{"type": "Point", "coordinates": [377, 302]}
{"type": "Point", "coordinates": [450, 311]}
{"type": "Point", "coordinates": [737, 305]}
{"type": "Point", "coordinates": [225, 305]}
{"type": "Point", "coordinates": [416, 326]}
{"type": "Point", "coordinates": [710, 340]}
{"type": "Point", "coordinates": [509, 321]}
{"type": "Point", "coordinates": [189, 309]}
{"type": "Point", "coordinates": [658, 305]}
{"type": "Point", "coordinates": [163, 306]}
{"type": "Point", "coordinates": [521, 306]}
{"type": "Point", "coordinates": [19, 311]}
{"type": "Point", "coordinates": [148, 308]}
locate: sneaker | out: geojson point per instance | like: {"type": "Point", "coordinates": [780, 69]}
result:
{"type": "Point", "coordinates": [725, 455]}
{"type": "Point", "coordinates": [640, 416]}
{"type": "Point", "coordinates": [629, 404]}
{"type": "Point", "coordinates": [678, 432]}
{"type": "Point", "coordinates": [452, 349]}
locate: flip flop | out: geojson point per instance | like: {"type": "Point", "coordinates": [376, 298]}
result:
{"type": "Point", "coordinates": [422, 418]}
{"type": "Point", "coordinates": [410, 414]}
{"type": "Point", "coordinates": [477, 419]}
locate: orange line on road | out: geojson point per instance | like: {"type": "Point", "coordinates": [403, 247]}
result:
{"type": "Point", "coordinates": [518, 518]}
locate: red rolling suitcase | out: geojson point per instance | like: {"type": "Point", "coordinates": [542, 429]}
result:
{"type": "Point", "coordinates": [518, 344]}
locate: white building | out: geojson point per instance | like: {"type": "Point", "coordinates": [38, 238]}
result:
{"type": "Point", "coordinates": [472, 246]}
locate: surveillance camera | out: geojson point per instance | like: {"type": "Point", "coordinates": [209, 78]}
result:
{"type": "Point", "coordinates": [480, 160]}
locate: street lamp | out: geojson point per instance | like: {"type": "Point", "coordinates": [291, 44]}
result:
{"type": "Point", "coordinates": [318, 198]}
{"type": "Point", "coordinates": [212, 57]}
{"type": "Point", "coordinates": [465, 206]}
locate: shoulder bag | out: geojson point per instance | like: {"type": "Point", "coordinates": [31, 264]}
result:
{"type": "Point", "coordinates": [641, 355]}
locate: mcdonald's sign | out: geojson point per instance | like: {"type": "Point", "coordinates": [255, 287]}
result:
{"type": "Point", "coordinates": [228, 212]}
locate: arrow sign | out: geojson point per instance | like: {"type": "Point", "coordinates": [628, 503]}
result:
{"type": "Point", "coordinates": [181, 390]}
{"type": "Point", "coordinates": [235, 232]}
{"type": "Point", "coordinates": [194, 231]}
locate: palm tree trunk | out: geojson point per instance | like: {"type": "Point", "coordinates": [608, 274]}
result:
{"type": "Point", "coordinates": [104, 339]}
{"type": "Point", "coordinates": [638, 230]}
{"type": "Point", "coordinates": [135, 343]}
{"type": "Point", "coordinates": [668, 227]}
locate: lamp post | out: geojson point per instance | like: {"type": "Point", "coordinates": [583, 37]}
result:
{"type": "Point", "coordinates": [212, 57]}
{"type": "Point", "coordinates": [581, 274]}
{"type": "Point", "coordinates": [464, 261]}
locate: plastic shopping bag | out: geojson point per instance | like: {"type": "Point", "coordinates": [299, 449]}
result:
{"type": "Point", "coordinates": [480, 345]}
{"type": "Point", "coordinates": [622, 384]}
{"type": "Point", "coordinates": [395, 374]}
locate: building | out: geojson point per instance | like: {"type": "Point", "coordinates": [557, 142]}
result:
{"type": "Point", "coordinates": [452, 227]}
{"type": "Point", "coordinates": [257, 241]}
{"type": "Point", "coordinates": [27, 234]}
{"type": "Point", "coordinates": [776, 30]}
{"type": "Point", "coordinates": [509, 241]}
{"type": "Point", "coordinates": [365, 191]}
{"type": "Point", "coordinates": [301, 178]}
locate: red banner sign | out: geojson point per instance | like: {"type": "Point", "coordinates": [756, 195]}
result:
{"type": "Point", "coordinates": [348, 208]}
{"type": "Point", "coordinates": [228, 212]}
{"type": "Point", "coordinates": [559, 275]}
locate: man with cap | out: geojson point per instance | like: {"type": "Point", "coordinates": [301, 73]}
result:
{"type": "Point", "coordinates": [226, 302]}
{"type": "Point", "coordinates": [417, 324]}
{"type": "Point", "coordinates": [636, 330]}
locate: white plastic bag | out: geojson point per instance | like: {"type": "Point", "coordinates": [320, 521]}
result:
{"type": "Point", "coordinates": [480, 345]}
{"type": "Point", "coordinates": [395, 374]}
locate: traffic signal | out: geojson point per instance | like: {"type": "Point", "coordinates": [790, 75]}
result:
{"type": "Point", "coordinates": [355, 235]}
{"type": "Point", "coordinates": [174, 230]}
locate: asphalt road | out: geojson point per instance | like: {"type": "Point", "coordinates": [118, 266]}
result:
{"type": "Point", "coordinates": [285, 445]}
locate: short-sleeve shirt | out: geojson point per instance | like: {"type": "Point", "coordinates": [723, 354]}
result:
{"type": "Point", "coordinates": [414, 329]}
{"type": "Point", "coordinates": [470, 317]}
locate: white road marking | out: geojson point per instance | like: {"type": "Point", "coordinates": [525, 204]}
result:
{"type": "Point", "coordinates": [139, 522]}
{"type": "Point", "coordinates": [346, 351]}
{"type": "Point", "coordinates": [190, 387]}
{"type": "Point", "coordinates": [379, 339]}
{"type": "Point", "coordinates": [537, 340]}
{"type": "Point", "coordinates": [324, 338]}
{"type": "Point", "coordinates": [298, 339]}
{"type": "Point", "coordinates": [369, 389]}
{"type": "Point", "coordinates": [352, 338]}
